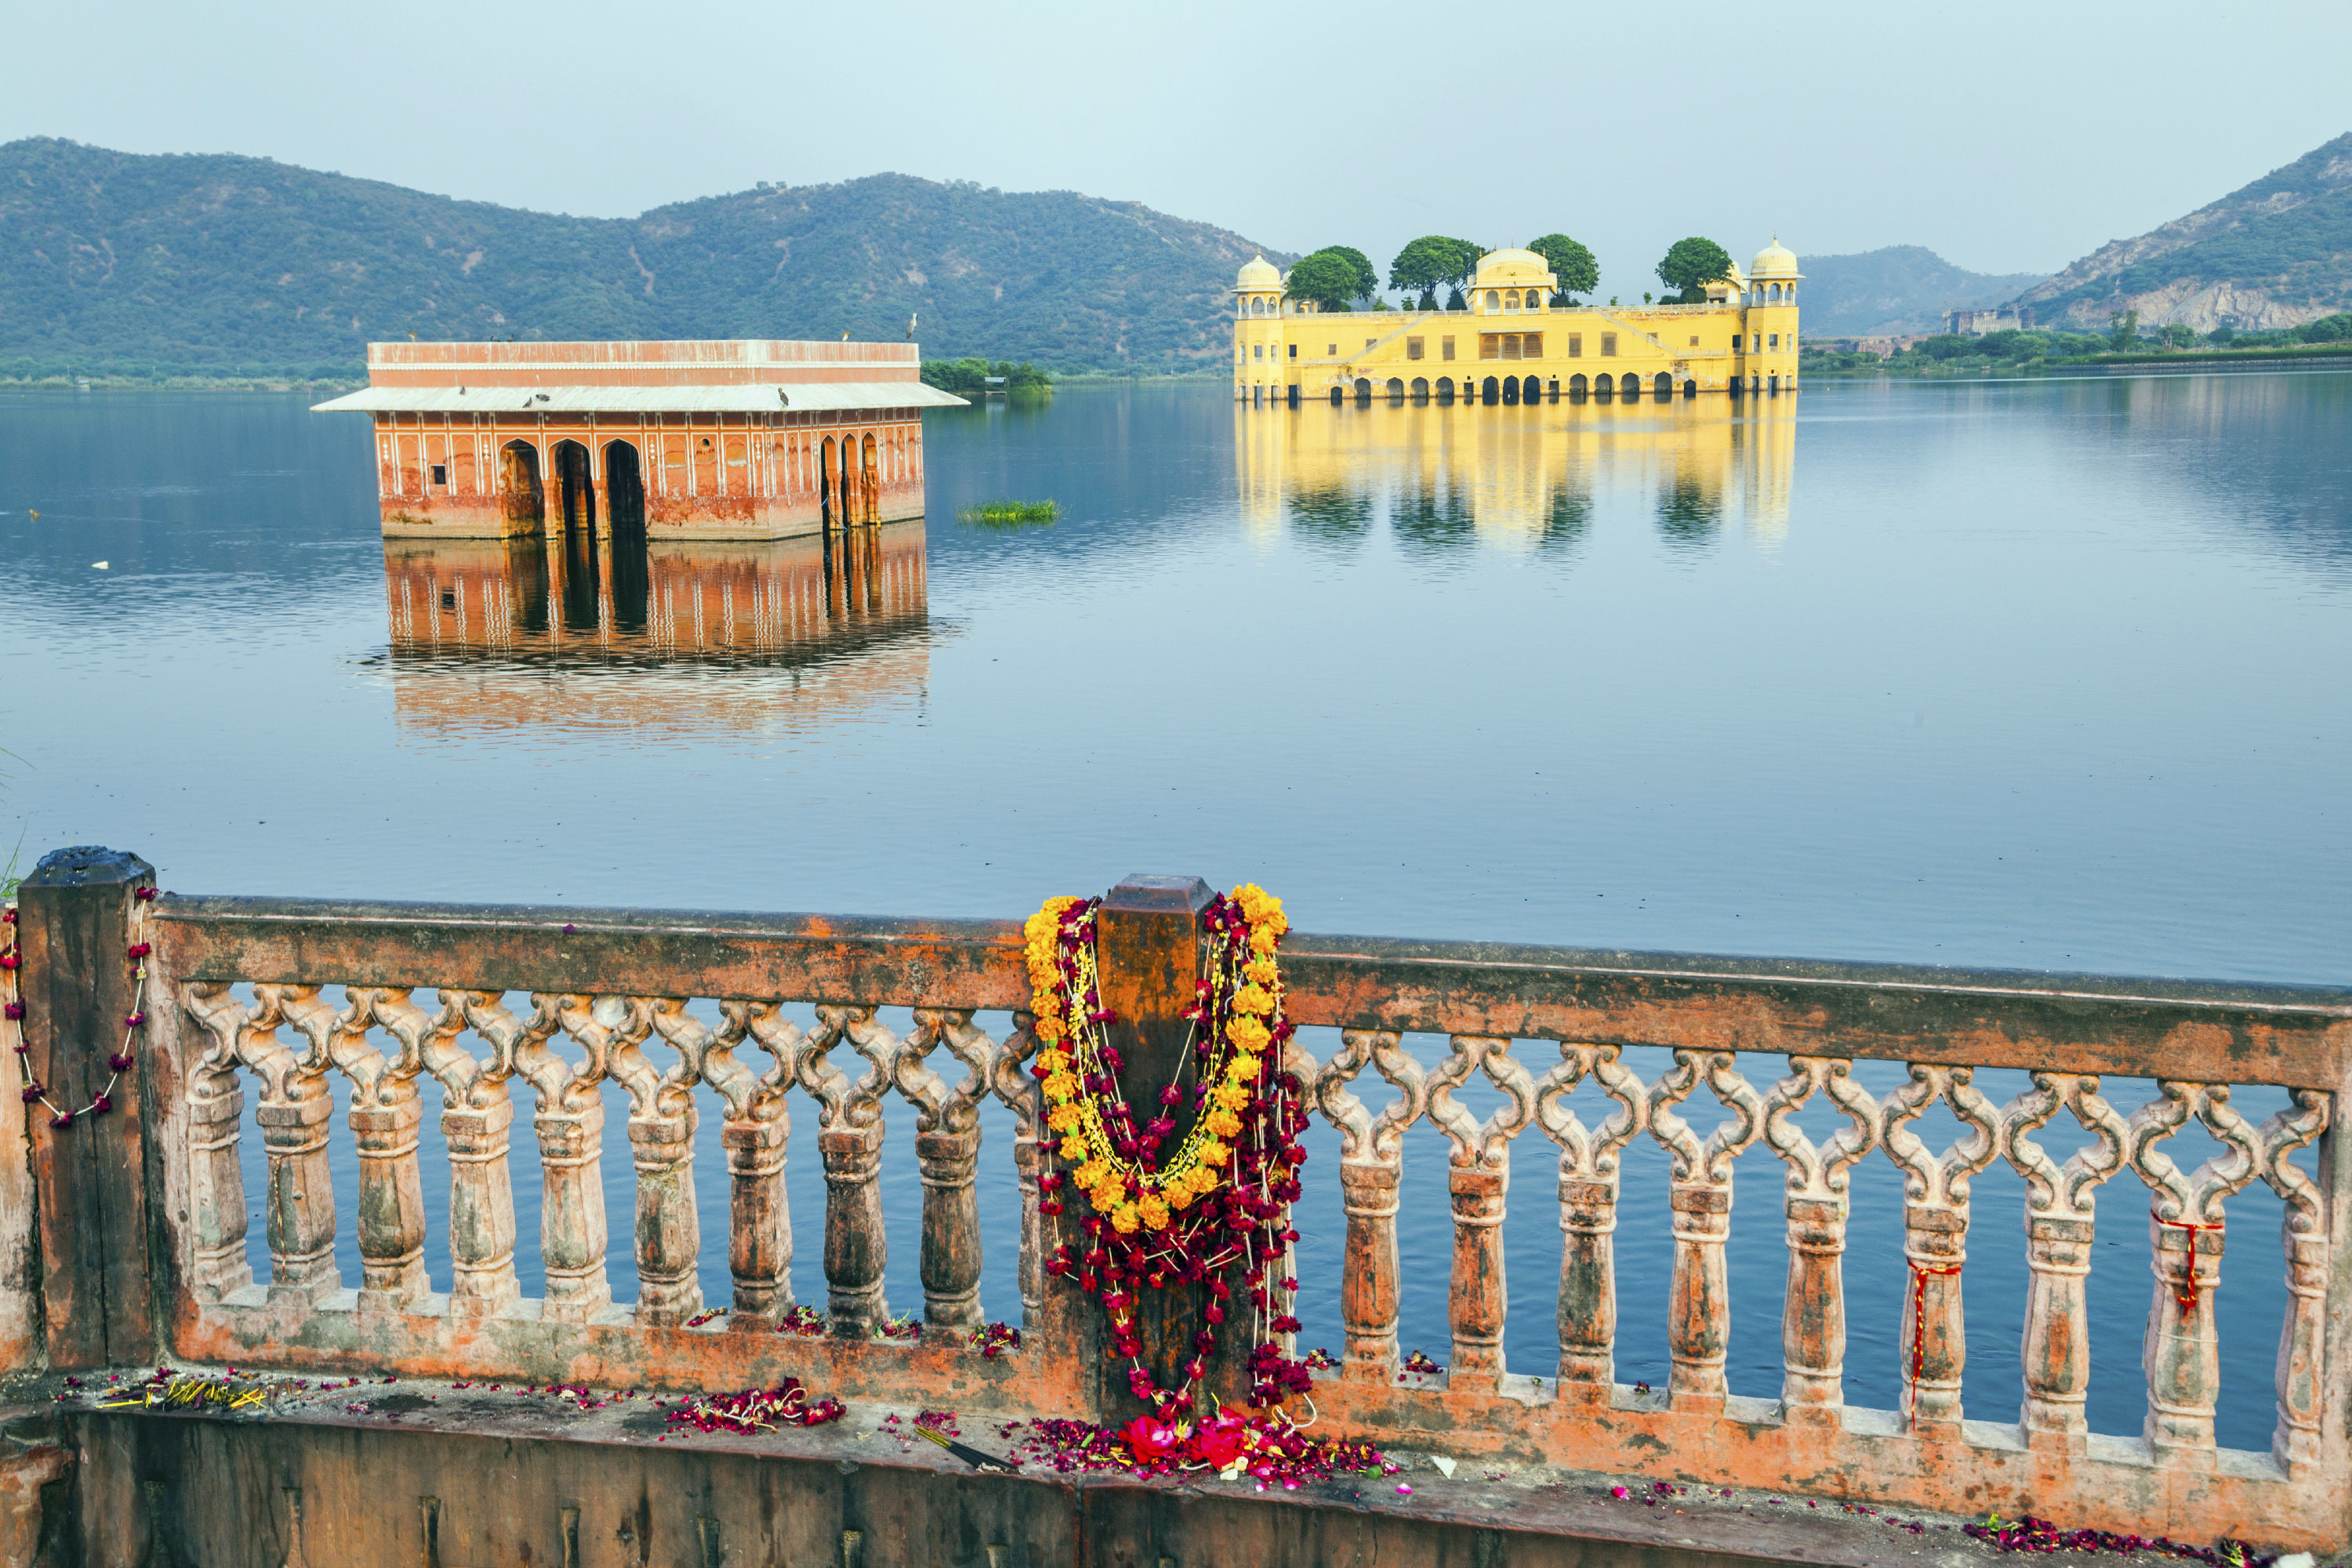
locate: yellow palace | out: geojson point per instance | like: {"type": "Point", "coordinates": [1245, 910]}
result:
{"type": "Point", "coordinates": [1512, 346]}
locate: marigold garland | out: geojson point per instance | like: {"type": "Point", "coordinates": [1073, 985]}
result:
{"type": "Point", "coordinates": [1222, 1198]}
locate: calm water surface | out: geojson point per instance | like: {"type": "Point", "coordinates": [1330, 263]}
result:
{"type": "Point", "coordinates": [2046, 675]}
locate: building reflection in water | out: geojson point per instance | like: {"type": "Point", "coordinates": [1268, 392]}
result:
{"type": "Point", "coordinates": [1525, 478]}
{"type": "Point", "coordinates": [571, 632]}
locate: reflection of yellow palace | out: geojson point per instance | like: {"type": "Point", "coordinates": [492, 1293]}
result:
{"type": "Point", "coordinates": [1512, 345]}
{"type": "Point", "coordinates": [1521, 482]}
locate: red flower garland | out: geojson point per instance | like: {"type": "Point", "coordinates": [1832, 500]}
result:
{"type": "Point", "coordinates": [12, 1011]}
{"type": "Point", "coordinates": [1234, 1208]}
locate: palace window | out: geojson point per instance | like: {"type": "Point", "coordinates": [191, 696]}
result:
{"type": "Point", "coordinates": [1412, 348]}
{"type": "Point", "coordinates": [1576, 345]}
{"type": "Point", "coordinates": [1490, 345]}
{"type": "Point", "coordinates": [1494, 300]}
{"type": "Point", "coordinates": [1511, 303]}
{"type": "Point", "coordinates": [1693, 340]}
{"type": "Point", "coordinates": [1608, 345]}
{"type": "Point", "coordinates": [1294, 351]}
{"type": "Point", "coordinates": [1775, 340]}
{"type": "Point", "coordinates": [1531, 345]}
{"type": "Point", "coordinates": [440, 474]}
{"type": "Point", "coordinates": [1446, 348]}
{"type": "Point", "coordinates": [1258, 350]}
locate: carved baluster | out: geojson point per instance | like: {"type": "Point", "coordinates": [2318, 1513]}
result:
{"type": "Point", "coordinates": [2056, 1349]}
{"type": "Point", "coordinates": [1012, 1083]}
{"type": "Point", "coordinates": [662, 1122]}
{"type": "Point", "coordinates": [477, 1113]}
{"type": "Point", "coordinates": [1935, 1345]}
{"type": "Point", "coordinates": [215, 1114]}
{"type": "Point", "coordinates": [2182, 1352]}
{"type": "Point", "coordinates": [946, 1146]}
{"type": "Point", "coordinates": [1818, 1201]}
{"type": "Point", "coordinates": [569, 1122]}
{"type": "Point", "coordinates": [1698, 1306]}
{"type": "Point", "coordinates": [1371, 1162]}
{"type": "Point", "coordinates": [2303, 1231]}
{"type": "Point", "coordinates": [758, 1126]}
{"type": "Point", "coordinates": [1480, 1177]}
{"type": "Point", "coordinates": [294, 1113]}
{"type": "Point", "coordinates": [849, 1138]}
{"type": "Point", "coordinates": [385, 1112]}
{"type": "Point", "coordinates": [1588, 1213]}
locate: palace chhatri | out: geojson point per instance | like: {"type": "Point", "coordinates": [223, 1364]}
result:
{"type": "Point", "coordinates": [1513, 346]}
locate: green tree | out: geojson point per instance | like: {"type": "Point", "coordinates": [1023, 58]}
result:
{"type": "Point", "coordinates": [1327, 279]}
{"type": "Point", "coordinates": [1433, 262]}
{"type": "Point", "coordinates": [1571, 263]}
{"type": "Point", "coordinates": [1690, 264]}
{"type": "Point", "coordinates": [2124, 330]}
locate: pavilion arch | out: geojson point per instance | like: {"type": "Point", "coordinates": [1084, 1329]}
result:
{"type": "Point", "coordinates": [1690, 389]}
{"type": "Point", "coordinates": [1511, 390]}
{"type": "Point", "coordinates": [519, 484]}
{"type": "Point", "coordinates": [1490, 391]}
{"type": "Point", "coordinates": [1494, 302]}
{"type": "Point", "coordinates": [869, 490]}
{"type": "Point", "coordinates": [1338, 396]}
{"type": "Point", "coordinates": [1396, 389]}
{"type": "Point", "coordinates": [1257, 306]}
{"type": "Point", "coordinates": [1421, 389]}
{"type": "Point", "coordinates": [828, 491]}
{"type": "Point", "coordinates": [1444, 389]}
{"type": "Point", "coordinates": [1578, 386]}
{"type": "Point", "coordinates": [1665, 385]}
{"type": "Point", "coordinates": [1531, 389]}
{"type": "Point", "coordinates": [575, 486]}
{"type": "Point", "coordinates": [1511, 301]}
{"type": "Point", "coordinates": [1363, 389]}
{"type": "Point", "coordinates": [624, 488]}
{"type": "Point", "coordinates": [1604, 385]}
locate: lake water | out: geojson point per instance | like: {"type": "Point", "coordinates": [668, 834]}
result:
{"type": "Point", "coordinates": [2042, 674]}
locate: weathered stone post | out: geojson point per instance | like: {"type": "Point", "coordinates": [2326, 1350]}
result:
{"type": "Point", "coordinates": [90, 1179]}
{"type": "Point", "coordinates": [1148, 937]}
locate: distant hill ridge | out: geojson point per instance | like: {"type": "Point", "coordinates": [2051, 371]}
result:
{"type": "Point", "coordinates": [2276, 253]}
{"type": "Point", "coordinates": [196, 265]}
{"type": "Point", "coordinates": [1895, 292]}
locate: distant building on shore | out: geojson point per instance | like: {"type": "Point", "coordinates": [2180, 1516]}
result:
{"type": "Point", "coordinates": [1969, 322]}
{"type": "Point", "coordinates": [744, 439]}
{"type": "Point", "coordinates": [1514, 345]}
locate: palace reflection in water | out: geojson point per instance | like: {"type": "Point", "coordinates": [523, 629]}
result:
{"type": "Point", "coordinates": [1516, 478]}
{"type": "Point", "coordinates": [561, 631]}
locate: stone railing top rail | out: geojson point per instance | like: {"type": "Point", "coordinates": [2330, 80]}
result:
{"type": "Point", "coordinates": [2298, 1035]}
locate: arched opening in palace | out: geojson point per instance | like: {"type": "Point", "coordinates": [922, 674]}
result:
{"type": "Point", "coordinates": [1396, 389]}
{"type": "Point", "coordinates": [1772, 386]}
{"type": "Point", "coordinates": [624, 490]}
{"type": "Point", "coordinates": [1337, 396]}
{"type": "Point", "coordinates": [1490, 391]}
{"type": "Point", "coordinates": [1444, 389]}
{"type": "Point", "coordinates": [869, 494]}
{"type": "Point", "coordinates": [1494, 301]}
{"type": "Point", "coordinates": [1604, 388]}
{"type": "Point", "coordinates": [1690, 389]}
{"type": "Point", "coordinates": [828, 501]}
{"type": "Point", "coordinates": [1578, 386]}
{"type": "Point", "coordinates": [1531, 390]}
{"type": "Point", "coordinates": [1421, 389]}
{"type": "Point", "coordinates": [1511, 390]}
{"type": "Point", "coordinates": [1363, 389]}
{"type": "Point", "coordinates": [1511, 301]}
{"type": "Point", "coordinates": [1665, 385]}
{"type": "Point", "coordinates": [575, 487]}
{"type": "Point", "coordinates": [1555, 389]}
{"type": "Point", "coordinates": [519, 484]}
{"type": "Point", "coordinates": [1630, 385]}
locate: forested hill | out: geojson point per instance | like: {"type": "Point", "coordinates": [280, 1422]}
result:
{"type": "Point", "coordinates": [206, 265]}
{"type": "Point", "coordinates": [1900, 290]}
{"type": "Point", "coordinates": [2276, 253]}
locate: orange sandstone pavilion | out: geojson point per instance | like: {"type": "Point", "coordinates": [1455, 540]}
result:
{"type": "Point", "coordinates": [747, 439]}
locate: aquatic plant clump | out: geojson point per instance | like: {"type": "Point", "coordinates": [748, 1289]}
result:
{"type": "Point", "coordinates": [1011, 514]}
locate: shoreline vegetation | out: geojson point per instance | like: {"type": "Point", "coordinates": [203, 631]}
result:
{"type": "Point", "coordinates": [1011, 514]}
{"type": "Point", "coordinates": [2044, 350]}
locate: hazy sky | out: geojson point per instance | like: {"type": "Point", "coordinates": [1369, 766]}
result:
{"type": "Point", "coordinates": [2007, 137]}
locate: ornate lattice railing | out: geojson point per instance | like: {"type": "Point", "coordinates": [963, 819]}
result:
{"type": "Point", "coordinates": [275, 998]}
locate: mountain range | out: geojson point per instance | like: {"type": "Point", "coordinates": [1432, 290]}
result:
{"type": "Point", "coordinates": [1898, 290]}
{"type": "Point", "coordinates": [211, 265]}
{"type": "Point", "coordinates": [2276, 253]}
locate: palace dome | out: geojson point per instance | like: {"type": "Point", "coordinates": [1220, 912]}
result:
{"type": "Point", "coordinates": [1512, 269]}
{"type": "Point", "coordinates": [1775, 260]}
{"type": "Point", "coordinates": [1258, 273]}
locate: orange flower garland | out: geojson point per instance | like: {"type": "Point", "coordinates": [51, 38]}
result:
{"type": "Point", "coordinates": [1222, 1198]}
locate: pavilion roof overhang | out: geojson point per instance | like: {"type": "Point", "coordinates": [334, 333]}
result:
{"type": "Point", "coordinates": [843, 396]}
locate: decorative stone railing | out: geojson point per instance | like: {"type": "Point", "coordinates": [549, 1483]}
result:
{"type": "Point", "coordinates": [272, 998]}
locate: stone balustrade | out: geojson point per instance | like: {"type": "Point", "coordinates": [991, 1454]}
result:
{"type": "Point", "coordinates": [271, 999]}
